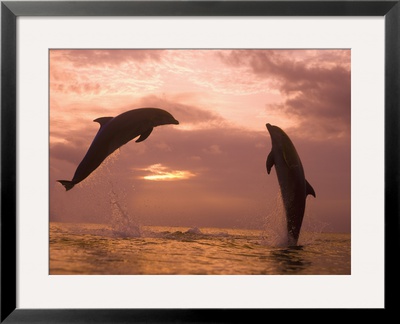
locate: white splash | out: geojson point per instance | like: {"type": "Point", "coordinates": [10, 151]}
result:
{"type": "Point", "coordinates": [275, 232]}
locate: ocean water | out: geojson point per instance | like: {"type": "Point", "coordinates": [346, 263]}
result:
{"type": "Point", "coordinates": [129, 249]}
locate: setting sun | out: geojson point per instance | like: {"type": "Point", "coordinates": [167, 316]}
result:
{"type": "Point", "coordinates": [161, 173]}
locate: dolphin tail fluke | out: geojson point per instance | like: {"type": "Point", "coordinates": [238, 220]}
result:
{"type": "Point", "coordinates": [67, 184]}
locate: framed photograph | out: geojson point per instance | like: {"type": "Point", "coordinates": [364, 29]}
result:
{"type": "Point", "coordinates": [188, 160]}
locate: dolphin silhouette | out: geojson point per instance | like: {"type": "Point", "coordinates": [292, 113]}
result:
{"type": "Point", "coordinates": [293, 185]}
{"type": "Point", "coordinates": [115, 132]}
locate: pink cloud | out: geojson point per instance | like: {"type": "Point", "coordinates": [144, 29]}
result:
{"type": "Point", "coordinates": [206, 91]}
{"type": "Point", "coordinates": [105, 57]}
{"type": "Point", "coordinates": [316, 93]}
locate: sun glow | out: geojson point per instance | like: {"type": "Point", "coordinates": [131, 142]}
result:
{"type": "Point", "coordinates": [161, 173]}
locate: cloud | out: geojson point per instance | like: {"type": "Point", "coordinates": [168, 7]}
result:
{"type": "Point", "coordinates": [104, 57]}
{"type": "Point", "coordinates": [315, 93]}
{"type": "Point", "coordinates": [213, 149]}
{"type": "Point", "coordinates": [214, 95]}
{"type": "Point", "coordinates": [104, 72]}
{"type": "Point", "coordinates": [190, 116]}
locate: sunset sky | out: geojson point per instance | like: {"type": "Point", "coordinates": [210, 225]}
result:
{"type": "Point", "coordinates": [208, 171]}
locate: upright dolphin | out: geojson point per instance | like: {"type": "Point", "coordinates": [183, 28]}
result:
{"type": "Point", "coordinates": [115, 132]}
{"type": "Point", "coordinates": [294, 187]}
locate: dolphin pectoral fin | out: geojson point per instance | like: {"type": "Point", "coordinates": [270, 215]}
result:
{"type": "Point", "coordinates": [309, 189]}
{"type": "Point", "coordinates": [270, 162]}
{"type": "Point", "coordinates": [68, 185]}
{"type": "Point", "coordinates": [102, 120]}
{"type": "Point", "coordinates": [144, 135]}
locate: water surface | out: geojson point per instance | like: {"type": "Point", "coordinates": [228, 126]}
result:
{"type": "Point", "coordinates": [99, 249]}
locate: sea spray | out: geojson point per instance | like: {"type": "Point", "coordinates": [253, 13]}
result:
{"type": "Point", "coordinates": [122, 224]}
{"type": "Point", "coordinates": [312, 227]}
{"type": "Point", "coordinates": [275, 231]}
{"type": "Point", "coordinates": [102, 176]}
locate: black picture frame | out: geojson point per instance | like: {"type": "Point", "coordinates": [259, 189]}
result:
{"type": "Point", "coordinates": [11, 10]}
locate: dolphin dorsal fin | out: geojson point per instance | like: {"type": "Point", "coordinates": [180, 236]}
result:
{"type": "Point", "coordinates": [102, 120]}
{"type": "Point", "coordinates": [309, 189]}
{"type": "Point", "coordinates": [270, 162]}
{"type": "Point", "coordinates": [144, 135]}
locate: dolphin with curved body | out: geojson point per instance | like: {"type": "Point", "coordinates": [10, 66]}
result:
{"type": "Point", "coordinates": [293, 185]}
{"type": "Point", "coordinates": [115, 132]}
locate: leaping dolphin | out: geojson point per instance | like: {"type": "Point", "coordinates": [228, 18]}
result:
{"type": "Point", "coordinates": [115, 132]}
{"type": "Point", "coordinates": [293, 185]}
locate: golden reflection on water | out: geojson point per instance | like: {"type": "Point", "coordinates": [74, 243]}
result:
{"type": "Point", "coordinates": [95, 249]}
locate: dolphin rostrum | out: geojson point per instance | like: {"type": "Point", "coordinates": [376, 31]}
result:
{"type": "Point", "coordinates": [115, 132]}
{"type": "Point", "coordinates": [294, 187]}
